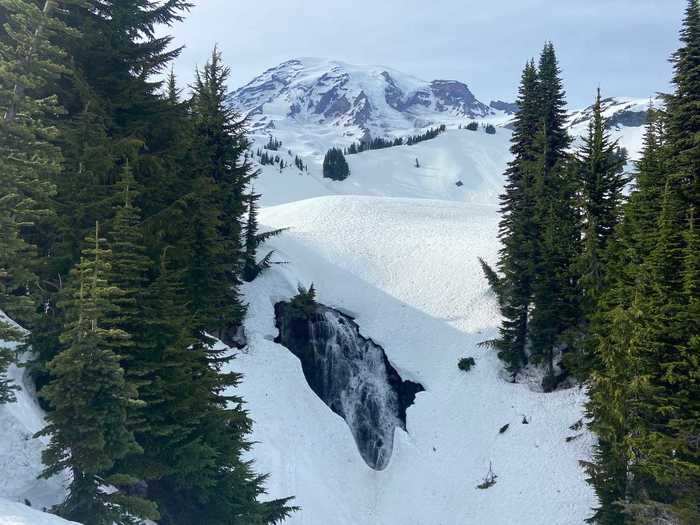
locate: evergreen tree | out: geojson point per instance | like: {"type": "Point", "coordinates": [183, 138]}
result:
{"type": "Point", "coordinates": [648, 429]}
{"type": "Point", "coordinates": [555, 293]}
{"type": "Point", "coordinates": [601, 180]}
{"type": "Point", "coordinates": [516, 229]}
{"type": "Point", "coordinates": [31, 63]}
{"type": "Point", "coordinates": [253, 240]}
{"type": "Point", "coordinates": [90, 398]}
{"type": "Point", "coordinates": [335, 167]}
{"type": "Point", "coordinates": [128, 272]}
{"type": "Point", "coordinates": [8, 333]}
{"type": "Point", "coordinates": [224, 174]}
{"type": "Point", "coordinates": [196, 430]}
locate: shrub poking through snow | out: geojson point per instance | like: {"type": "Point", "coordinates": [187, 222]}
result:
{"type": "Point", "coordinates": [466, 363]}
{"type": "Point", "coordinates": [490, 129]}
{"type": "Point", "coordinates": [304, 303]}
{"type": "Point", "coordinates": [489, 480]}
{"type": "Point", "coordinates": [473, 126]}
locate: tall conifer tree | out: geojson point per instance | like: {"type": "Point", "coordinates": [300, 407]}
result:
{"type": "Point", "coordinates": [517, 229]}
{"type": "Point", "coordinates": [90, 398]}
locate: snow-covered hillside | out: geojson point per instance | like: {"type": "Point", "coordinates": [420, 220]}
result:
{"type": "Point", "coordinates": [406, 269]}
{"type": "Point", "coordinates": [625, 117]}
{"type": "Point", "coordinates": [459, 165]}
{"type": "Point", "coordinates": [313, 104]}
{"type": "Point", "coordinates": [395, 246]}
{"type": "Point", "coordinates": [20, 459]}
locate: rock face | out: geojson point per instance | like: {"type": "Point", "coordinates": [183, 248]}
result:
{"type": "Point", "coordinates": [351, 374]}
{"type": "Point", "coordinates": [509, 108]}
{"type": "Point", "coordinates": [618, 111]}
{"type": "Point", "coordinates": [374, 99]}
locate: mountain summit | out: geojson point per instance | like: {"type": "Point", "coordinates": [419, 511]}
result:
{"type": "Point", "coordinates": [361, 100]}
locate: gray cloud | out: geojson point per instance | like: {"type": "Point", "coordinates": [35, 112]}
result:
{"type": "Point", "coordinates": [621, 45]}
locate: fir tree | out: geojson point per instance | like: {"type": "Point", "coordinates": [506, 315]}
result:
{"type": "Point", "coordinates": [335, 167]}
{"type": "Point", "coordinates": [650, 428]}
{"type": "Point", "coordinates": [555, 293]}
{"type": "Point", "coordinates": [253, 240]}
{"type": "Point", "coordinates": [90, 399]}
{"type": "Point", "coordinates": [516, 229]}
{"type": "Point", "coordinates": [219, 153]}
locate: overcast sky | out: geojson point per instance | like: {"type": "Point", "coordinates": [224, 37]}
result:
{"type": "Point", "coordinates": [621, 45]}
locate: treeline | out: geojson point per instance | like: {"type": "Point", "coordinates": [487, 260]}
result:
{"type": "Point", "coordinates": [605, 287]}
{"type": "Point", "coordinates": [490, 129]}
{"type": "Point", "coordinates": [127, 224]}
{"type": "Point", "coordinates": [268, 159]}
{"type": "Point", "coordinates": [381, 143]}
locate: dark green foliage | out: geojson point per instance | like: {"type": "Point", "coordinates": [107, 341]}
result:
{"type": "Point", "coordinates": [273, 144]}
{"type": "Point", "coordinates": [492, 277]}
{"type": "Point", "coordinates": [30, 64]}
{"type": "Point", "coordinates": [473, 126]}
{"type": "Point", "coordinates": [138, 397]}
{"type": "Point", "coordinates": [217, 203]}
{"type": "Point", "coordinates": [381, 143]}
{"type": "Point", "coordinates": [466, 363]}
{"type": "Point", "coordinates": [490, 129]}
{"type": "Point", "coordinates": [303, 305]}
{"type": "Point", "coordinates": [90, 397]}
{"type": "Point", "coordinates": [645, 393]}
{"type": "Point", "coordinates": [335, 167]}
{"type": "Point", "coordinates": [253, 240]}
{"type": "Point", "coordinates": [428, 135]}
{"type": "Point", "coordinates": [7, 357]}
{"type": "Point", "coordinates": [517, 229]}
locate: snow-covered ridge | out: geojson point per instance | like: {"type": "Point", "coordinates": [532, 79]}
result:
{"type": "Point", "coordinates": [361, 100]}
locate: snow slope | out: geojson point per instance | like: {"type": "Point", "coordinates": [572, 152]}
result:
{"type": "Point", "coordinates": [20, 459]}
{"type": "Point", "coordinates": [407, 270]}
{"type": "Point", "coordinates": [474, 158]}
{"type": "Point", "coordinates": [19, 514]}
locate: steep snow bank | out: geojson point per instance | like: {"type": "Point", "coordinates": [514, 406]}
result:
{"type": "Point", "coordinates": [407, 270]}
{"type": "Point", "coordinates": [20, 458]}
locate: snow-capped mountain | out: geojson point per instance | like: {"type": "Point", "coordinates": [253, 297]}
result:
{"type": "Point", "coordinates": [360, 100]}
{"type": "Point", "coordinates": [625, 118]}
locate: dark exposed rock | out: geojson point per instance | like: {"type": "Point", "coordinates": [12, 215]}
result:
{"type": "Point", "coordinates": [630, 119]}
{"type": "Point", "coordinates": [510, 108]}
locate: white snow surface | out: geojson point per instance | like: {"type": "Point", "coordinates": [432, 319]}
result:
{"type": "Point", "coordinates": [474, 158]}
{"type": "Point", "coordinates": [396, 247]}
{"type": "Point", "coordinates": [12, 513]}
{"type": "Point", "coordinates": [407, 270]}
{"type": "Point", "coordinates": [20, 458]}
